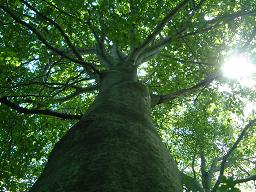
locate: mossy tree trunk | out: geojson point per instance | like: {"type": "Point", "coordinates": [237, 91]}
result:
{"type": "Point", "coordinates": [114, 147]}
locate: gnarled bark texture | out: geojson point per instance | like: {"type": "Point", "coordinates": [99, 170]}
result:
{"type": "Point", "coordinates": [114, 148]}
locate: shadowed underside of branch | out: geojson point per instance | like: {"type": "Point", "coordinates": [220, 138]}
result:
{"type": "Point", "coordinates": [48, 112]}
{"type": "Point", "coordinates": [159, 99]}
{"type": "Point", "coordinates": [91, 69]}
{"type": "Point", "coordinates": [250, 178]}
{"type": "Point", "coordinates": [229, 153]}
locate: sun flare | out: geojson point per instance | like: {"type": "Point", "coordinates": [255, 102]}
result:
{"type": "Point", "coordinates": [237, 67]}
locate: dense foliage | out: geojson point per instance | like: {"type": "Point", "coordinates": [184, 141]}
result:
{"type": "Point", "coordinates": [52, 53]}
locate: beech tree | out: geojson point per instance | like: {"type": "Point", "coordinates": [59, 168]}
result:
{"type": "Point", "coordinates": [126, 95]}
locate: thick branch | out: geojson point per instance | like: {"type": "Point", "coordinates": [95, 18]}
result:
{"type": "Point", "coordinates": [133, 29]}
{"type": "Point", "coordinates": [100, 46]}
{"type": "Point", "coordinates": [83, 51]}
{"type": "Point", "coordinates": [230, 151]}
{"type": "Point", "coordinates": [204, 173]}
{"type": "Point", "coordinates": [209, 25]}
{"type": "Point", "coordinates": [159, 99]}
{"type": "Point", "coordinates": [157, 30]}
{"type": "Point", "coordinates": [212, 169]}
{"type": "Point", "coordinates": [62, 11]}
{"type": "Point", "coordinates": [92, 50]}
{"type": "Point", "coordinates": [78, 91]}
{"type": "Point", "coordinates": [218, 22]}
{"type": "Point", "coordinates": [40, 37]}
{"type": "Point", "coordinates": [250, 178]}
{"type": "Point", "coordinates": [158, 45]}
{"type": "Point", "coordinates": [16, 107]}
{"type": "Point", "coordinates": [58, 27]}
{"type": "Point", "coordinates": [250, 39]}
{"type": "Point", "coordinates": [193, 166]}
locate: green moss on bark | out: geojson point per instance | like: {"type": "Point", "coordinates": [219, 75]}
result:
{"type": "Point", "coordinates": [114, 148]}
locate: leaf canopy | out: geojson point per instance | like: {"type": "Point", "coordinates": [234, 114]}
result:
{"type": "Point", "coordinates": [51, 53]}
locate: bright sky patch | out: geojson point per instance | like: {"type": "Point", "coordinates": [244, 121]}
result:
{"type": "Point", "coordinates": [237, 67]}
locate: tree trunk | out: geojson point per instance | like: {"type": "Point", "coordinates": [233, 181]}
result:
{"type": "Point", "coordinates": [114, 147]}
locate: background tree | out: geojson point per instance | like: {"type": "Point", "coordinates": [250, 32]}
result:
{"type": "Point", "coordinates": [56, 56]}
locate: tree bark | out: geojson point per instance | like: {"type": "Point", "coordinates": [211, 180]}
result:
{"type": "Point", "coordinates": [114, 147]}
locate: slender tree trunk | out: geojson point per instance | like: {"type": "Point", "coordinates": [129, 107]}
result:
{"type": "Point", "coordinates": [114, 148]}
